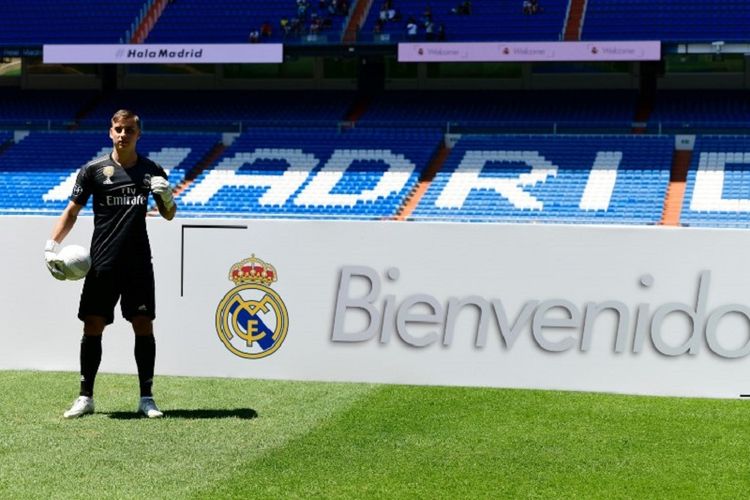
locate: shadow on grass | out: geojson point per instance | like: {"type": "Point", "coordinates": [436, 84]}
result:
{"type": "Point", "coordinates": [244, 413]}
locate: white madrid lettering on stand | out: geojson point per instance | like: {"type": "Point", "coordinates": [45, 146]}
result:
{"type": "Point", "coordinates": [318, 192]}
{"type": "Point", "coordinates": [280, 187]}
{"type": "Point", "coordinates": [601, 182]}
{"type": "Point", "coordinates": [709, 184]}
{"type": "Point", "coordinates": [467, 177]}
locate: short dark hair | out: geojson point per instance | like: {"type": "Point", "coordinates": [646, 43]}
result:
{"type": "Point", "coordinates": [126, 113]}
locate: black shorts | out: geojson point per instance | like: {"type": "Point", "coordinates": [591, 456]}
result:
{"type": "Point", "coordinates": [134, 288]}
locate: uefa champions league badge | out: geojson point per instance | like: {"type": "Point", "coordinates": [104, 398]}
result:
{"type": "Point", "coordinates": [251, 319]}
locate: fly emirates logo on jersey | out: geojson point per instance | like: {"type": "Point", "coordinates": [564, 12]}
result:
{"type": "Point", "coordinates": [127, 197]}
{"type": "Point", "coordinates": [362, 314]}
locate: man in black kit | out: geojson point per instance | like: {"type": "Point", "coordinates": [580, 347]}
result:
{"type": "Point", "coordinates": [120, 252]}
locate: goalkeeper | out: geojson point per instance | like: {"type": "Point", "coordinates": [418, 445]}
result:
{"type": "Point", "coordinates": [121, 269]}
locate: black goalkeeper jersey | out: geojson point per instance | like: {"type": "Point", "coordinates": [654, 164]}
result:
{"type": "Point", "coordinates": [120, 204]}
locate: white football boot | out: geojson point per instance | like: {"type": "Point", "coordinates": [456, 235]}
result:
{"type": "Point", "coordinates": [148, 407]}
{"type": "Point", "coordinates": [81, 406]}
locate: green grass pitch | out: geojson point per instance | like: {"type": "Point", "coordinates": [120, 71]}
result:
{"type": "Point", "coordinates": [225, 438]}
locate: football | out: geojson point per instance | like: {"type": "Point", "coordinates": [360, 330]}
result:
{"type": "Point", "coordinates": [76, 260]}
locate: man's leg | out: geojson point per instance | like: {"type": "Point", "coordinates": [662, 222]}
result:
{"type": "Point", "coordinates": [145, 353]}
{"type": "Point", "coordinates": [91, 352]}
{"type": "Point", "coordinates": [90, 358]}
{"type": "Point", "coordinates": [145, 359]}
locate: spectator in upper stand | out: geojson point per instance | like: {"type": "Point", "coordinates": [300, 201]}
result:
{"type": "Point", "coordinates": [315, 24]}
{"type": "Point", "coordinates": [527, 7]}
{"type": "Point", "coordinates": [343, 7]}
{"type": "Point", "coordinates": [254, 36]}
{"type": "Point", "coordinates": [429, 30]}
{"type": "Point", "coordinates": [535, 7]}
{"type": "Point", "coordinates": [302, 7]}
{"type": "Point", "coordinates": [266, 30]}
{"type": "Point", "coordinates": [412, 30]}
{"type": "Point", "coordinates": [383, 13]}
{"type": "Point", "coordinates": [441, 32]}
{"type": "Point", "coordinates": [379, 25]}
{"type": "Point", "coordinates": [284, 25]}
{"type": "Point", "coordinates": [295, 27]}
{"type": "Point", "coordinates": [462, 9]}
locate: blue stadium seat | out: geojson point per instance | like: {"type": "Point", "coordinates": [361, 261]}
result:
{"type": "Point", "coordinates": [717, 193]}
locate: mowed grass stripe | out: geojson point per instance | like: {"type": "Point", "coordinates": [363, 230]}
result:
{"type": "Point", "coordinates": [438, 442]}
{"type": "Point", "coordinates": [207, 433]}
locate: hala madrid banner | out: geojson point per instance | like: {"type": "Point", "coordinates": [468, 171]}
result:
{"type": "Point", "coordinates": [639, 310]}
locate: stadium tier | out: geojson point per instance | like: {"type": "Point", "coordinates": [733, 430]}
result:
{"type": "Point", "coordinates": [717, 193]}
{"type": "Point", "coordinates": [667, 20]}
{"type": "Point", "coordinates": [177, 109]}
{"type": "Point", "coordinates": [232, 21]}
{"type": "Point", "coordinates": [481, 21]}
{"type": "Point", "coordinates": [313, 173]}
{"type": "Point", "coordinates": [42, 107]}
{"type": "Point", "coordinates": [577, 179]}
{"type": "Point", "coordinates": [688, 110]}
{"type": "Point", "coordinates": [372, 173]}
{"type": "Point", "coordinates": [38, 172]}
{"type": "Point", "coordinates": [80, 21]}
{"type": "Point", "coordinates": [589, 109]}
{"type": "Point", "coordinates": [388, 21]}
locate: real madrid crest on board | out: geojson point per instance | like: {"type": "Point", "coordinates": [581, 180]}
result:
{"type": "Point", "coordinates": [251, 319]}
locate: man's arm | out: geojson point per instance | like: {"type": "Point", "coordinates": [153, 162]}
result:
{"type": "Point", "coordinates": [66, 222]}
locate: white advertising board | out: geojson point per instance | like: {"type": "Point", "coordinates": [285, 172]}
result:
{"type": "Point", "coordinates": [184, 53]}
{"type": "Point", "coordinates": [648, 50]}
{"type": "Point", "coordinates": [639, 310]}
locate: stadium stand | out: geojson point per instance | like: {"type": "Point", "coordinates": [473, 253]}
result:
{"type": "Point", "coordinates": [175, 109]}
{"type": "Point", "coordinates": [232, 21]}
{"type": "Point", "coordinates": [37, 173]}
{"type": "Point", "coordinates": [313, 173]}
{"type": "Point", "coordinates": [486, 21]}
{"type": "Point", "coordinates": [666, 20]}
{"type": "Point", "coordinates": [77, 21]}
{"type": "Point", "coordinates": [529, 110]}
{"type": "Point", "coordinates": [573, 179]}
{"type": "Point", "coordinates": [686, 110]}
{"type": "Point", "coordinates": [717, 193]}
{"type": "Point", "coordinates": [47, 108]}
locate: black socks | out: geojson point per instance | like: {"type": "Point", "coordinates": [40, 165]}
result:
{"type": "Point", "coordinates": [91, 356]}
{"type": "Point", "coordinates": [145, 357]}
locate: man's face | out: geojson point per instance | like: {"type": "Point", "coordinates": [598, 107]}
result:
{"type": "Point", "coordinates": [124, 133]}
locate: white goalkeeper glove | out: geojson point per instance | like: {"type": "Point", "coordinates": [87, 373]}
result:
{"type": "Point", "coordinates": [54, 264]}
{"type": "Point", "coordinates": [160, 187]}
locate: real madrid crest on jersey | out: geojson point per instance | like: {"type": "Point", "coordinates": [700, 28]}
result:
{"type": "Point", "coordinates": [251, 319]}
